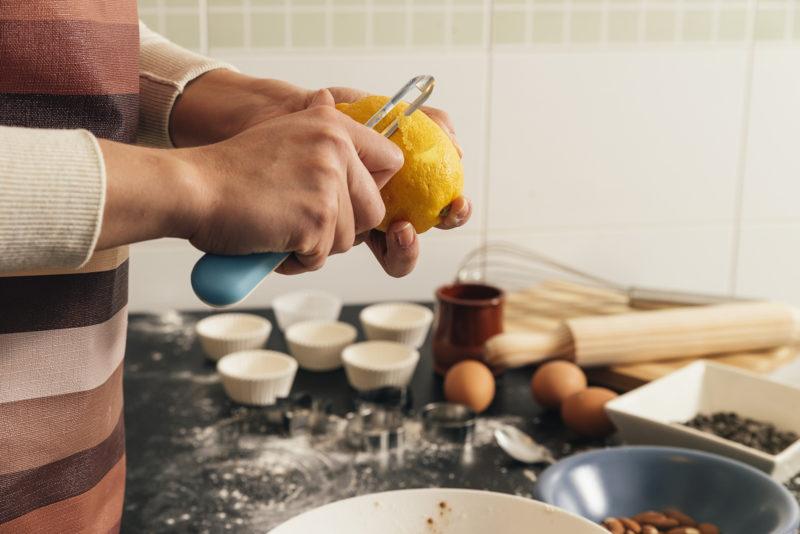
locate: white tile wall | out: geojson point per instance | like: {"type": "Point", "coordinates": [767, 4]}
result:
{"type": "Point", "coordinates": [615, 138]}
{"type": "Point", "coordinates": [769, 251]}
{"type": "Point", "coordinates": [772, 181]}
{"type": "Point", "coordinates": [624, 161]}
{"type": "Point", "coordinates": [769, 261]}
{"type": "Point", "coordinates": [681, 257]}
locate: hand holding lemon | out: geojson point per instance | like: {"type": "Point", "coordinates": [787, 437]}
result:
{"type": "Point", "coordinates": [426, 192]}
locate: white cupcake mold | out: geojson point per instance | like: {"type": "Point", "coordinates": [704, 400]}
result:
{"type": "Point", "coordinates": [225, 333]}
{"type": "Point", "coordinates": [375, 364]}
{"type": "Point", "coordinates": [257, 377]}
{"type": "Point", "coordinates": [403, 322]}
{"type": "Point", "coordinates": [301, 306]}
{"type": "Point", "coordinates": [318, 345]}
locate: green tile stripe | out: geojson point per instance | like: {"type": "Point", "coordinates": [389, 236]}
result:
{"type": "Point", "coordinates": [469, 24]}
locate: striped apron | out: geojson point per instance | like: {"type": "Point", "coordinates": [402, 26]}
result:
{"type": "Point", "coordinates": [65, 64]}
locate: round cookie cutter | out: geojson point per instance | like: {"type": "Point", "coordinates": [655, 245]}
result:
{"type": "Point", "coordinates": [447, 422]}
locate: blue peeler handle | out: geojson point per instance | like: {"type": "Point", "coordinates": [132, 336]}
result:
{"type": "Point", "coordinates": [224, 280]}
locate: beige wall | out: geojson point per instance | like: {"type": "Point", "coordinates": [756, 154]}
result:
{"type": "Point", "coordinates": [654, 142]}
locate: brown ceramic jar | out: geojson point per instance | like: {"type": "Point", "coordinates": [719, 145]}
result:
{"type": "Point", "coordinates": [466, 316]}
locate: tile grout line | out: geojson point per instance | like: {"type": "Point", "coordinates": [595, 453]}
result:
{"type": "Point", "coordinates": [247, 36]}
{"type": "Point", "coordinates": [369, 24]}
{"type": "Point", "coordinates": [530, 19]}
{"type": "Point", "coordinates": [741, 167]}
{"type": "Point", "coordinates": [448, 25]}
{"type": "Point", "coordinates": [202, 21]}
{"type": "Point", "coordinates": [162, 17]}
{"type": "Point", "coordinates": [680, 17]}
{"type": "Point", "coordinates": [716, 11]}
{"type": "Point", "coordinates": [328, 24]}
{"type": "Point", "coordinates": [487, 120]}
{"type": "Point", "coordinates": [409, 21]}
{"type": "Point", "coordinates": [287, 25]}
{"type": "Point", "coordinates": [641, 23]}
{"type": "Point", "coordinates": [566, 24]}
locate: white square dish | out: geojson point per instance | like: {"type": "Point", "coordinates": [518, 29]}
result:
{"type": "Point", "coordinates": [652, 413]}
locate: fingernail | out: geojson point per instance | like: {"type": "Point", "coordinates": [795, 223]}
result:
{"type": "Point", "coordinates": [463, 213]}
{"type": "Point", "coordinates": [404, 235]}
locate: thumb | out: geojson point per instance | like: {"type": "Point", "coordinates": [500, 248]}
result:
{"type": "Point", "coordinates": [323, 97]}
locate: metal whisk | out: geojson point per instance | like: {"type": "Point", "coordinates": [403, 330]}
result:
{"type": "Point", "coordinates": [515, 268]}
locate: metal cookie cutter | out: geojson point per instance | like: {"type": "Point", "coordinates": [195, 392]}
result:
{"type": "Point", "coordinates": [446, 422]}
{"type": "Point", "coordinates": [376, 424]}
{"type": "Point", "coordinates": [298, 413]}
{"type": "Point", "coordinates": [387, 398]}
{"type": "Point", "coordinates": [375, 429]}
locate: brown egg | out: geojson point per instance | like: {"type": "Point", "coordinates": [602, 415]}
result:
{"type": "Point", "coordinates": [584, 412]}
{"type": "Point", "coordinates": [555, 381]}
{"type": "Point", "coordinates": [471, 383]}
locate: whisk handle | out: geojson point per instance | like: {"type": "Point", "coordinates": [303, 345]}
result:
{"type": "Point", "coordinates": [642, 298]}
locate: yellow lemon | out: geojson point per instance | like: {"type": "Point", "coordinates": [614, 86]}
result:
{"type": "Point", "coordinates": [432, 175]}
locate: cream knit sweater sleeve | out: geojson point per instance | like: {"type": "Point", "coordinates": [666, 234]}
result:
{"type": "Point", "coordinates": [53, 182]}
{"type": "Point", "coordinates": [165, 69]}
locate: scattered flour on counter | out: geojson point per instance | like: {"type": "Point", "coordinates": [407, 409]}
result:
{"type": "Point", "coordinates": [172, 327]}
{"type": "Point", "coordinates": [261, 480]}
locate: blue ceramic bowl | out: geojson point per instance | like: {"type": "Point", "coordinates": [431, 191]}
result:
{"type": "Point", "coordinates": [624, 481]}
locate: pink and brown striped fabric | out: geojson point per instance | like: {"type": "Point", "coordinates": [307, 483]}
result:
{"type": "Point", "coordinates": [65, 64]}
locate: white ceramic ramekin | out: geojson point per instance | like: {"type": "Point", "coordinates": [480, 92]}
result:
{"type": "Point", "coordinates": [318, 345]}
{"type": "Point", "coordinates": [403, 322]}
{"type": "Point", "coordinates": [224, 333]}
{"type": "Point", "coordinates": [375, 364]}
{"type": "Point", "coordinates": [652, 414]}
{"type": "Point", "coordinates": [257, 377]}
{"type": "Point", "coordinates": [301, 306]}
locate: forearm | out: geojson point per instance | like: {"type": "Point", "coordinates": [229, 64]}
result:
{"type": "Point", "coordinates": [150, 193]}
{"type": "Point", "coordinates": [222, 103]}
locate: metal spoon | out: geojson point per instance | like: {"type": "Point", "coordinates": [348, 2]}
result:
{"type": "Point", "coordinates": [520, 446]}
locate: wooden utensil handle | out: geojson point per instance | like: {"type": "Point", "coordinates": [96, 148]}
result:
{"type": "Point", "coordinates": [682, 332]}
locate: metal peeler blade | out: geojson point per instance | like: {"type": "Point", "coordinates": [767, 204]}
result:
{"type": "Point", "coordinates": [424, 84]}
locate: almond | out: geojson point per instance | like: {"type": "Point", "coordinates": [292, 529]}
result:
{"type": "Point", "coordinates": [631, 525]}
{"type": "Point", "coordinates": [683, 530]}
{"type": "Point", "coordinates": [614, 525]}
{"type": "Point", "coordinates": [682, 519]}
{"type": "Point", "coordinates": [708, 528]}
{"type": "Point", "coordinates": [649, 529]}
{"type": "Point", "coordinates": [657, 519]}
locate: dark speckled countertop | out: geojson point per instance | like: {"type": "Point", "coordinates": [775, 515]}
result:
{"type": "Point", "coordinates": [199, 463]}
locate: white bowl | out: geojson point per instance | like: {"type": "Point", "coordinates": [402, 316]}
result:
{"type": "Point", "coordinates": [438, 511]}
{"type": "Point", "coordinates": [225, 333]}
{"type": "Point", "coordinates": [651, 414]}
{"type": "Point", "coordinates": [397, 321]}
{"type": "Point", "coordinates": [301, 306]}
{"type": "Point", "coordinates": [318, 345]}
{"type": "Point", "coordinates": [376, 364]}
{"type": "Point", "coordinates": [257, 377]}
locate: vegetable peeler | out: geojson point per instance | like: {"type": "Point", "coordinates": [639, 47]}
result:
{"type": "Point", "coordinates": [220, 280]}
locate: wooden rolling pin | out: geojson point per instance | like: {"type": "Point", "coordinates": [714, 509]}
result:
{"type": "Point", "coordinates": [652, 335]}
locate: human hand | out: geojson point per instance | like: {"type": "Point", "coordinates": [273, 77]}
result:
{"type": "Point", "coordinates": [222, 104]}
{"type": "Point", "coordinates": [307, 183]}
{"type": "Point", "coordinates": [398, 249]}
